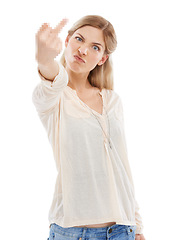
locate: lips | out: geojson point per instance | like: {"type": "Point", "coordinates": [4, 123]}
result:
{"type": "Point", "coordinates": [79, 59]}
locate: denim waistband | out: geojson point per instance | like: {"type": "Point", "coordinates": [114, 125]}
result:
{"type": "Point", "coordinates": [91, 232]}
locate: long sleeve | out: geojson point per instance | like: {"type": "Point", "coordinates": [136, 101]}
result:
{"type": "Point", "coordinates": [46, 94]}
{"type": "Point", "coordinates": [120, 116]}
{"type": "Point", "coordinates": [139, 228]}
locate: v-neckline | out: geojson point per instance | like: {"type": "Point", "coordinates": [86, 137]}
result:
{"type": "Point", "coordinates": [91, 109]}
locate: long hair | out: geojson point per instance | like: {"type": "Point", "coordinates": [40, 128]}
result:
{"type": "Point", "coordinates": [100, 76]}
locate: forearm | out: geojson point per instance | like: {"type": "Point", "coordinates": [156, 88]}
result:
{"type": "Point", "coordinates": [50, 70]}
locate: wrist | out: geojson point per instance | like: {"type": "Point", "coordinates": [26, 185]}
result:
{"type": "Point", "coordinates": [49, 70]}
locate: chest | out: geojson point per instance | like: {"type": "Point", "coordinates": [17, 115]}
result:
{"type": "Point", "coordinates": [94, 102]}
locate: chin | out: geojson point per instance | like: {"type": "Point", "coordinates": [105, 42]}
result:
{"type": "Point", "coordinates": [75, 67]}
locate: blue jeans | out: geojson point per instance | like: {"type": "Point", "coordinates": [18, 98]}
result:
{"type": "Point", "coordinates": [114, 232]}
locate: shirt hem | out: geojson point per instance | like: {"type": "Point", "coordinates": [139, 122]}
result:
{"type": "Point", "coordinates": [99, 221]}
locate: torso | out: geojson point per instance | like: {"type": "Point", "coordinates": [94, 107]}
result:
{"type": "Point", "coordinates": [94, 101]}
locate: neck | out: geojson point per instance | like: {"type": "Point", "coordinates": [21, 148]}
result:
{"type": "Point", "coordinates": [78, 81]}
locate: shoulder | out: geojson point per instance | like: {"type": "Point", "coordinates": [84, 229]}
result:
{"type": "Point", "coordinates": [112, 94]}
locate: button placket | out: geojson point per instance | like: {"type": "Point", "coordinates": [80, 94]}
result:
{"type": "Point", "coordinates": [103, 123]}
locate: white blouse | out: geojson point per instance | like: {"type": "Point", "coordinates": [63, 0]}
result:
{"type": "Point", "coordinates": [94, 184]}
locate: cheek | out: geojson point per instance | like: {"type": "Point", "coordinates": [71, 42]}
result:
{"type": "Point", "coordinates": [94, 58]}
{"type": "Point", "coordinates": [72, 46]}
{"type": "Point", "coordinates": [70, 49]}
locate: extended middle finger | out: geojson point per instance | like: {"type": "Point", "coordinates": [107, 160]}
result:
{"type": "Point", "coordinates": [59, 27]}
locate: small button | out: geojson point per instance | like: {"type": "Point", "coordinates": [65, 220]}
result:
{"type": "Point", "coordinates": [131, 230]}
{"type": "Point", "coordinates": [110, 230]}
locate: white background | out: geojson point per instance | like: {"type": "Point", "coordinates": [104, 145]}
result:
{"type": "Point", "coordinates": [141, 78]}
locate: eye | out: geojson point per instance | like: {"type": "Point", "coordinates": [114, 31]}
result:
{"type": "Point", "coordinates": [96, 48]}
{"type": "Point", "coordinates": [78, 39]}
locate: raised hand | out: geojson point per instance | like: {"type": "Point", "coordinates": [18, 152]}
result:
{"type": "Point", "coordinates": [48, 44]}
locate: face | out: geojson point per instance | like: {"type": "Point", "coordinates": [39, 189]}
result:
{"type": "Point", "coordinates": [85, 49]}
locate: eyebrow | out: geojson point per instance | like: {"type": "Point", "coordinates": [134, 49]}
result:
{"type": "Point", "coordinates": [92, 42]}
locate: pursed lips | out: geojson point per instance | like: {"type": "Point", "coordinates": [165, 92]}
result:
{"type": "Point", "coordinates": [79, 58]}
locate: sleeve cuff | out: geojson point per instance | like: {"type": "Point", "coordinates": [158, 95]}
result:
{"type": "Point", "coordinates": [139, 230]}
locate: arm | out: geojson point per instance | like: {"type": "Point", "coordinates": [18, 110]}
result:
{"type": "Point", "coordinates": [53, 75]}
{"type": "Point", "coordinates": [120, 115]}
{"type": "Point", "coordinates": [46, 94]}
{"type": "Point", "coordinates": [139, 225]}
{"type": "Point", "coordinates": [54, 78]}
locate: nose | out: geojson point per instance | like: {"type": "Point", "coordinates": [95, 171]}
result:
{"type": "Point", "coordinates": [83, 50]}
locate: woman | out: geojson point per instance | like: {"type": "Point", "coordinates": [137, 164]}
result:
{"type": "Point", "coordinates": [83, 116]}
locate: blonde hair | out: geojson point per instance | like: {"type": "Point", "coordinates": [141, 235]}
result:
{"type": "Point", "coordinates": [100, 76]}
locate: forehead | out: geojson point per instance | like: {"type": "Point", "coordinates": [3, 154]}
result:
{"type": "Point", "coordinates": [91, 33]}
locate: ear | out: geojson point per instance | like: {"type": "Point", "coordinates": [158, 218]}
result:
{"type": "Point", "coordinates": [103, 60]}
{"type": "Point", "coordinates": [67, 40]}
